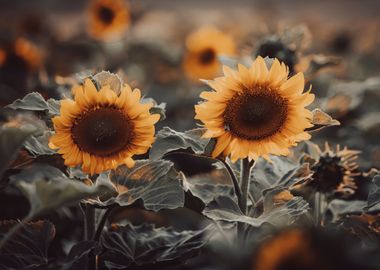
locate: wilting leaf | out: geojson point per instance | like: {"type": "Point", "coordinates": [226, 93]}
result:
{"type": "Point", "coordinates": [104, 78]}
{"type": "Point", "coordinates": [11, 140]}
{"type": "Point", "coordinates": [156, 184]}
{"type": "Point", "coordinates": [35, 102]}
{"type": "Point", "coordinates": [39, 145]}
{"type": "Point", "coordinates": [47, 188]}
{"type": "Point", "coordinates": [227, 209]}
{"type": "Point", "coordinates": [321, 120]}
{"type": "Point", "coordinates": [27, 248]}
{"type": "Point", "coordinates": [168, 140]}
{"type": "Point", "coordinates": [143, 245]}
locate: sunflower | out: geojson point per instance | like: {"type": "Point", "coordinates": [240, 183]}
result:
{"type": "Point", "coordinates": [255, 112]}
{"type": "Point", "coordinates": [335, 170]}
{"type": "Point", "coordinates": [203, 47]}
{"type": "Point", "coordinates": [108, 19]}
{"type": "Point", "coordinates": [101, 130]}
{"type": "Point", "coordinates": [274, 47]}
{"type": "Point", "coordinates": [29, 52]}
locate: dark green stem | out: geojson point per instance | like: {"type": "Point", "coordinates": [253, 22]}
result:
{"type": "Point", "coordinates": [245, 173]}
{"type": "Point", "coordinates": [102, 222]}
{"type": "Point", "coordinates": [235, 182]}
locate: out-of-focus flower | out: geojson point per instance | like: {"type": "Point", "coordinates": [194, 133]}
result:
{"type": "Point", "coordinates": [108, 19]}
{"type": "Point", "coordinates": [24, 54]}
{"type": "Point", "coordinates": [29, 52]}
{"type": "Point", "coordinates": [255, 112]}
{"type": "Point", "coordinates": [101, 130]}
{"type": "Point", "coordinates": [203, 47]}
{"type": "Point", "coordinates": [308, 249]}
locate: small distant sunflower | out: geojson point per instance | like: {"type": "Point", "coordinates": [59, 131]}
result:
{"type": "Point", "coordinates": [101, 130]}
{"type": "Point", "coordinates": [23, 54]}
{"type": "Point", "coordinates": [335, 170]}
{"type": "Point", "coordinates": [108, 19]}
{"type": "Point", "coordinates": [255, 112]}
{"type": "Point", "coordinates": [203, 47]}
{"type": "Point", "coordinates": [274, 47]}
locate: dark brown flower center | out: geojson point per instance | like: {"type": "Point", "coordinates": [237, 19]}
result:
{"type": "Point", "coordinates": [106, 15]}
{"type": "Point", "coordinates": [102, 131]}
{"type": "Point", "coordinates": [328, 174]}
{"type": "Point", "coordinates": [255, 115]}
{"type": "Point", "coordinates": [207, 56]}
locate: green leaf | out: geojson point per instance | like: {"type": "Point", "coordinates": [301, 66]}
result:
{"type": "Point", "coordinates": [11, 140]}
{"type": "Point", "coordinates": [39, 145]}
{"type": "Point", "coordinates": [47, 188]}
{"type": "Point", "coordinates": [168, 140]}
{"type": "Point", "coordinates": [374, 193]}
{"type": "Point", "coordinates": [35, 102]}
{"type": "Point", "coordinates": [28, 248]}
{"type": "Point", "coordinates": [226, 209]}
{"type": "Point", "coordinates": [156, 184]}
{"type": "Point", "coordinates": [130, 245]}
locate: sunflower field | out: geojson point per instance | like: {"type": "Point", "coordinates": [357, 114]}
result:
{"type": "Point", "coordinates": [189, 135]}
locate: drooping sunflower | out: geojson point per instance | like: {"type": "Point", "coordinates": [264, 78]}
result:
{"type": "Point", "coordinates": [335, 170]}
{"type": "Point", "coordinates": [108, 19]}
{"type": "Point", "coordinates": [203, 47]}
{"type": "Point", "coordinates": [255, 112]}
{"type": "Point", "coordinates": [101, 130]}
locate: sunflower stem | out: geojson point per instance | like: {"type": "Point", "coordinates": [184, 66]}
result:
{"type": "Point", "coordinates": [319, 208]}
{"type": "Point", "coordinates": [102, 222]}
{"type": "Point", "coordinates": [89, 230]}
{"type": "Point", "coordinates": [246, 168]}
{"type": "Point", "coordinates": [235, 182]}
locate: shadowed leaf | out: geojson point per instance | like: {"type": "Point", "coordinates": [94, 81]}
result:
{"type": "Point", "coordinates": [11, 140]}
{"type": "Point", "coordinates": [47, 188]}
{"type": "Point", "coordinates": [143, 245]}
{"type": "Point", "coordinates": [27, 249]}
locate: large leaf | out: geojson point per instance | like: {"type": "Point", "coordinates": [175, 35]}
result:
{"type": "Point", "coordinates": [168, 140]}
{"type": "Point", "coordinates": [28, 248]}
{"type": "Point", "coordinates": [78, 257]}
{"type": "Point", "coordinates": [226, 209]}
{"type": "Point", "coordinates": [47, 188]}
{"type": "Point", "coordinates": [36, 102]}
{"type": "Point", "coordinates": [143, 245]}
{"type": "Point", "coordinates": [39, 145]}
{"type": "Point", "coordinates": [11, 140]}
{"type": "Point", "coordinates": [266, 174]}
{"type": "Point", "coordinates": [157, 185]}
{"type": "Point", "coordinates": [374, 193]}
{"type": "Point", "coordinates": [337, 209]}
